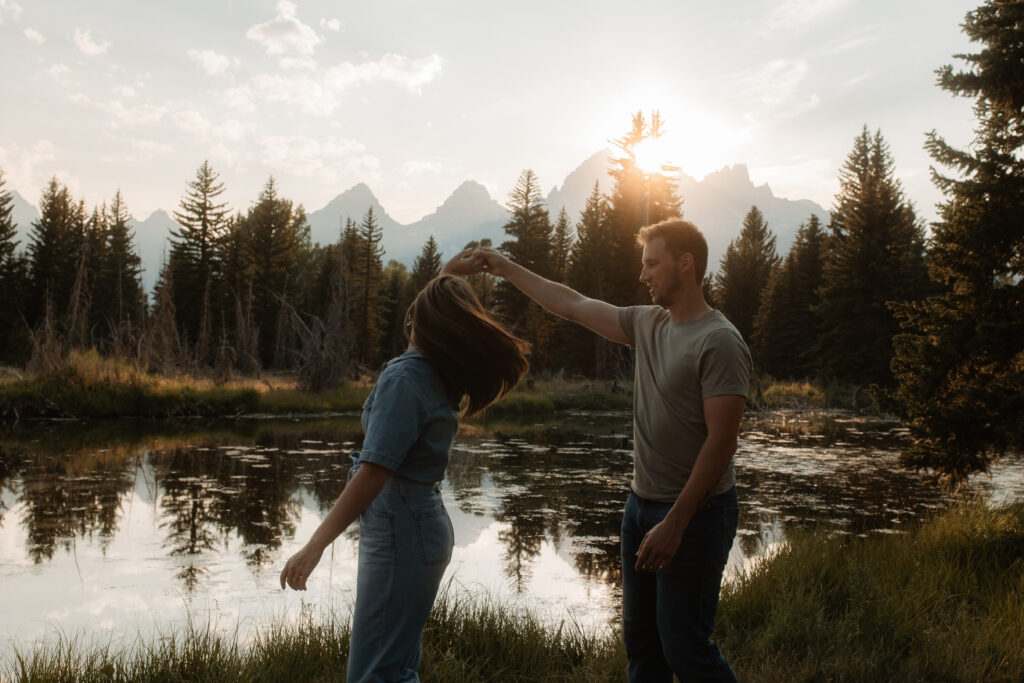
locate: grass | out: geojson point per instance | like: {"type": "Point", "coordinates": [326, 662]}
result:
{"type": "Point", "coordinates": [945, 602]}
{"type": "Point", "coordinates": [463, 642]}
{"type": "Point", "coordinates": [90, 386]}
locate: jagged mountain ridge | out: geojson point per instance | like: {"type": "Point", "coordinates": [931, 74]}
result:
{"type": "Point", "coordinates": [717, 204]}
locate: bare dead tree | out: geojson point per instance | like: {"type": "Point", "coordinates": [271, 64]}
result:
{"type": "Point", "coordinates": [325, 357]}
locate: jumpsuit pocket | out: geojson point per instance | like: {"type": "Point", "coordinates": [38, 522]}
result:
{"type": "Point", "coordinates": [434, 534]}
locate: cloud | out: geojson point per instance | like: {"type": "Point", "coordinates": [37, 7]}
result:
{"type": "Point", "coordinates": [138, 115]}
{"type": "Point", "coordinates": [89, 47]}
{"type": "Point", "coordinates": [773, 82]}
{"type": "Point", "coordinates": [321, 93]}
{"type": "Point", "coordinates": [328, 161]}
{"type": "Point", "coordinates": [793, 15]}
{"type": "Point", "coordinates": [411, 73]}
{"type": "Point", "coordinates": [285, 34]}
{"type": "Point", "coordinates": [58, 70]}
{"type": "Point", "coordinates": [213, 63]}
{"type": "Point", "coordinates": [20, 164]}
{"type": "Point", "coordinates": [34, 35]}
{"type": "Point", "coordinates": [419, 167]}
{"type": "Point", "coordinates": [331, 24]}
{"type": "Point", "coordinates": [9, 8]}
{"type": "Point", "coordinates": [125, 90]}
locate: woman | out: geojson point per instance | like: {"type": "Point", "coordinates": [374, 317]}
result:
{"type": "Point", "coordinates": [456, 353]}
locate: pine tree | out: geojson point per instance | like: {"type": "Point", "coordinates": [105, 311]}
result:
{"type": "Point", "coordinates": [960, 358]}
{"type": "Point", "coordinates": [589, 262]}
{"type": "Point", "coordinates": [637, 198]}
{"type": "Point", "coordinates": [426, 266]}
{"type": "Point", "coordinates": [786, 327]}
{"type": "Point", "coordinates": [13, 280]}
{"type": "Point", "coordinates": [396, 300]}
{"type": "Point", "coordinates": [529, 226]}
{"type": "Point", "coordinates": [561, 247]}
{"type": "Point", "coordinates": [366, 284]}
{"type": "Point", "coordinates": [748, 263]}
{"type": "Point", "coordinates": [119, 301]}
{"type": "Point", "coordinates": [194, 258]}
{"type": "Point", "coordinates": [875, 255]}
{"type": "Point", "coordinates": [274, 233]}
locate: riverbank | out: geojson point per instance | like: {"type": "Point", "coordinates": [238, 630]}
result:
{"type": "Point", "coordinates": [944, 601]}
{"type": "Point", "coordinates": [88, 386]}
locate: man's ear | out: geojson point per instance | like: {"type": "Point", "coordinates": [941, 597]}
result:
{"type": "Point", "coordinates": [685, 262]}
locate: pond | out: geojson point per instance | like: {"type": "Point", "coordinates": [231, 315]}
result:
{"type": "Point", "coordinates": [117, 529]}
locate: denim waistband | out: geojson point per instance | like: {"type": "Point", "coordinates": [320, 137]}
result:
{"type": "Point", "coordinates": [402, 486]}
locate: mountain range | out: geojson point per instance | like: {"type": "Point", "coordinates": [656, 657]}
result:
{"type": "Point", "coordinates": [717, 204]}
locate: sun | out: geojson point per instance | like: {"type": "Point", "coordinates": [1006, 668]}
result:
{"type": "Point", "coordinates": [652, 155]}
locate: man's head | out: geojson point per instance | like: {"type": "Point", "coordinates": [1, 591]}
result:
{"type": "Point", "coordinates": [674, 251]}
{"type": "Point", "coordinates": [681, 237]}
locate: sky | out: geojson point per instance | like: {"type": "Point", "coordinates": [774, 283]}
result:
{"type": "Point", "coordinates": [413, 98]}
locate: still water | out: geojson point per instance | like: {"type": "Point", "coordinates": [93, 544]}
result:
{"type": "Point", "coordinates": [112, 530]}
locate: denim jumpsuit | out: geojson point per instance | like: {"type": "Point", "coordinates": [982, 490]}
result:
{"type": "Point", "coordinates": [405, 535]}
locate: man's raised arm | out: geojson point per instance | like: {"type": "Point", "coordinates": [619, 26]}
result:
{"type": "Point", "coordinates": [565, 302]}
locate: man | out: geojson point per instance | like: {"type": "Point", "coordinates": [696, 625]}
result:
{"type": "Point", "coordinates": [692, 369]}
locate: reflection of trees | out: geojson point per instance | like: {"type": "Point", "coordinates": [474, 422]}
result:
{"type": "Point", "coordinates": [557, 483]}
{"type": "Point", "coordinates": [213, 491]}
{"type": "Point", "coordinates": [10, 464]}
{"type": "Point", "coordinates": [66, 496]}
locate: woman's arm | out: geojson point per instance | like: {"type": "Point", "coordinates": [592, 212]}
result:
{"type": "Point", "coordinates": [355, 498]}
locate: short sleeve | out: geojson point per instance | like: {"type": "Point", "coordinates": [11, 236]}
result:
{"type": "Point", "coordinates": [724, 365]}
{"type": "Point", "coordinates": [394, 421]}
{"type": "Point", "coordinates": [626, 317]}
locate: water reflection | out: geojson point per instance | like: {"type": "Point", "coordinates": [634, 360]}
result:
{"type": "Point", "coordinates": [212, 508]}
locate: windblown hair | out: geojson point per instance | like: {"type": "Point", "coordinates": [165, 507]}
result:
{"type": "Point", "coordinates": [681, 237]}
{"type": "Point", "coordinates": [475, 356]}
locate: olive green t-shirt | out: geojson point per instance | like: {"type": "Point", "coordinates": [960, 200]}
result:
{"type": "Point", "coordinates": [678, 365]}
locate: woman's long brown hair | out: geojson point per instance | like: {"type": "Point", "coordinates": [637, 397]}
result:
{"type": "Point", "coordinates": [475, 356]}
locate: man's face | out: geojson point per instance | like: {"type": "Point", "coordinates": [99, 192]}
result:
{"type": "Point", "coordinates": [661, 272]}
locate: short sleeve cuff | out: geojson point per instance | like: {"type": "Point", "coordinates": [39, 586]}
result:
{"type": "Point", "coordinates": [726, 390]}
{"type": "Point", "coordinates": [382, 459]}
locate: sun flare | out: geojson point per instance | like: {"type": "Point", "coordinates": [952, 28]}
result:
{"type": "Point", "coordinates": [652, 155]}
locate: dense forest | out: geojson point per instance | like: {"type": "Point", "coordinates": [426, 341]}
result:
{"type": "Point", "coordinates": [933, 323]}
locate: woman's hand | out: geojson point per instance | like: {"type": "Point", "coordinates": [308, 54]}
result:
{"type": "Point", "coordinates": [299, 567]}
{"type": "Point", "coordinates": [463, 263]}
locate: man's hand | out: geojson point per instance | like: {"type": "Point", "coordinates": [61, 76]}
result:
{"type": "Point", "coordinates": [659, 546]}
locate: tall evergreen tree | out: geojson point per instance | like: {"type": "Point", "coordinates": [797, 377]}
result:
{"type": "Point", "coordinates": [529, 226]}
{"type": "Point", "coordinates": [748, 263]}
{"type": "Point", "coordinates": [194, 258]}
{"type": "Point", "coordinates": [561, 246]}
{"type": "Point", "coordinates": [366, 288]}
{"type": "Point", "coordinates": [13, 277]}
{"type": "Point", "coordinates": [426, 266]}
{"type": "Point", "coordinates": [637, 198]}
{"type": "Point", "coordinates": [786, 327]}
{"type": "Point", "coordinates": [275, 232]}
{"type": "Point", "coordinates": [396, 300]}
{"type": "Point", "coordinates": [875, 255]}
{"type": "Point", "coordinates": [589, 262]}
{"type": "Point", "coordinates": [54, 249]}
{"type": "Point", "coordinates": [119, 301]}
{"type": "Point", "coordinates": [960, 358]}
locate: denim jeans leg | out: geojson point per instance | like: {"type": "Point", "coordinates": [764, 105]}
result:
{"type": "Point", "coordinates": [405, 545]}
{"type": "Point", "coordinates": [688, 591]}
{"type": "Point", "coordinates": [639, 602]}
{"type": "Point", "coordinates": [684, 596]}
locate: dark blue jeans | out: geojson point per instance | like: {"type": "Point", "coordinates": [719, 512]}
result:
{"type": "Point", "coordinates": [668, 615]}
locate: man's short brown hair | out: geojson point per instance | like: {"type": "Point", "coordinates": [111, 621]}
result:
{"type": "Point", "coordinates": [681, 237]}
